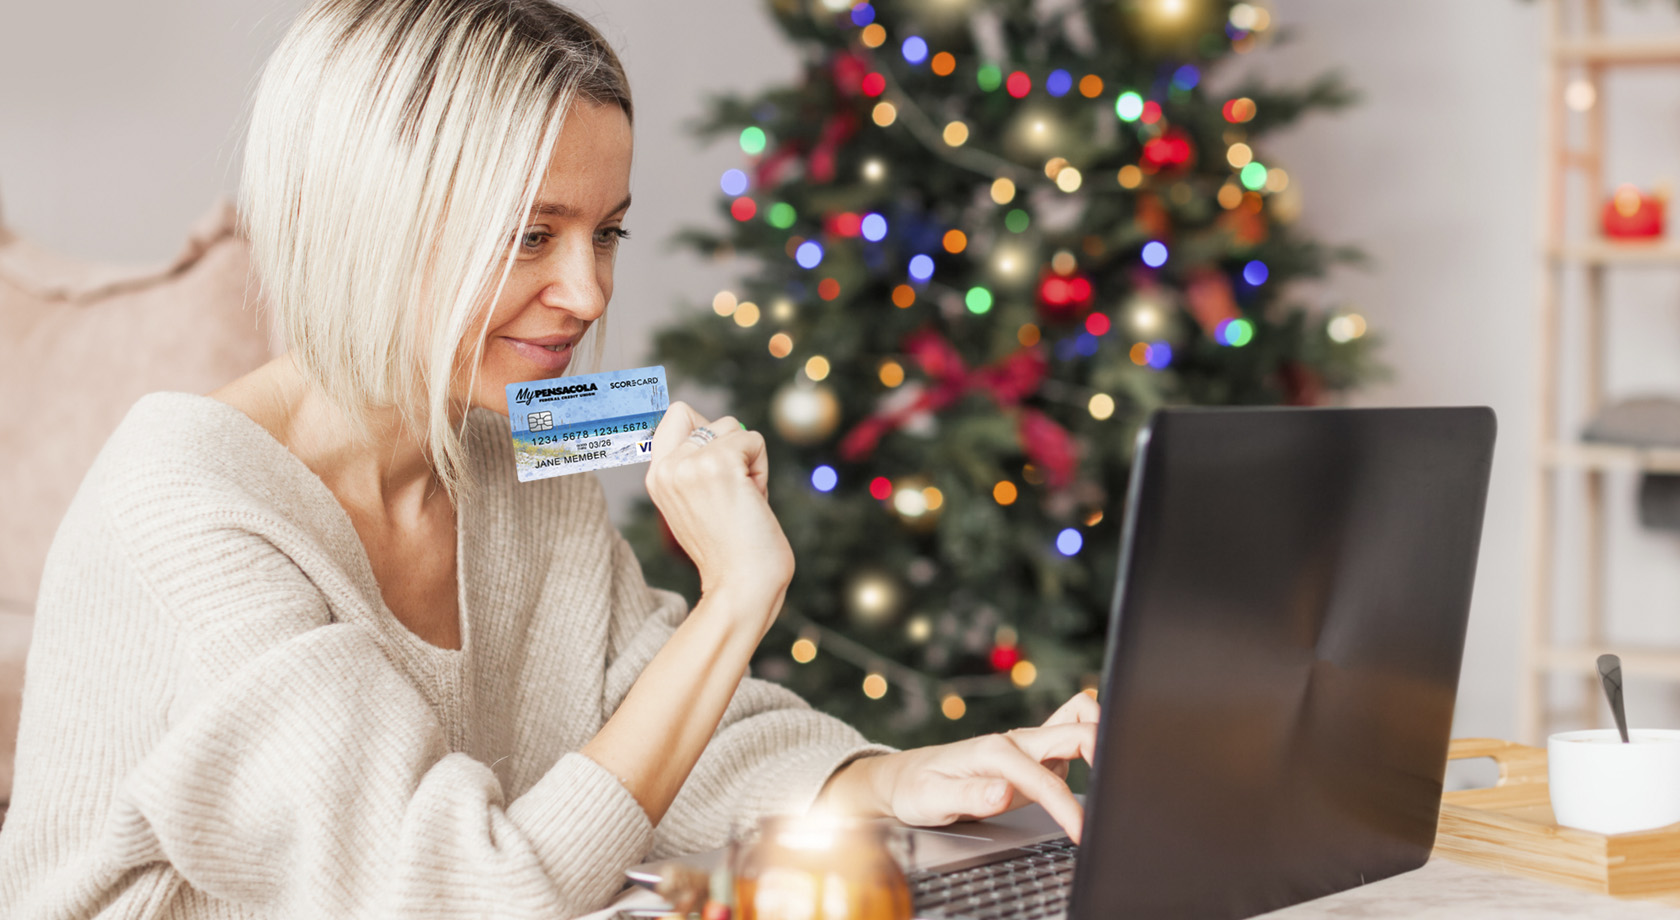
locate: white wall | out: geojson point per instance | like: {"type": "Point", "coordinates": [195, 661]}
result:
{"type": "Point", "coordinates": [119, 122]}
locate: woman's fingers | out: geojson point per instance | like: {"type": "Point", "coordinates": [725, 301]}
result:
{"type": "Point", "coordinates": [673, 430]}
{"type": "Point", "coordinates": [1082, 708]}
{"type": "Point", "coordinates": [1034, 781]}
{"type": "Point", "coordinates": [1065, 741]}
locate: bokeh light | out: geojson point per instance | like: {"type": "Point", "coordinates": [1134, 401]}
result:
{"type": "Point", "coordinates": [1256, 273]}
{"type": "Point", "coordinates": [1235, 332]}
{"type": "Point", "coordinates": [1017, 221]}
{"type": "Point", "coordinates": [921, 267]}
{"type": "Point", "coordinates": [863, 14]}
{"type": "Point", "coordinates": [892, 373]}
{"type": "Point", "coordinates": [1129, 106]}
{"type": "Point", "coordinates": [873, 227]}
{"type": "Point", "coordinates": [978, 300]}
{"type": "Point", "coordinates": [734, 182]}
{"type": "Point", "coordinates": [988, 77]}
{"type": "Point", "coordinates": [752, 140]}
{"type": "Point", "coordinates": [1069, 179]}
{"type": "Point", "coordinates": [1097, 324]}
{"type": "Point", "coordinates": [914, 49]}
{"type": "Point", "coordinates": [1090, 86]}
{"type": "Point", "coordinates": [1059, 83]}
{"type": "Point", "coordinates": [884, 114]}
{"type": "Point", "coordinates": [723, 303]}
{"type": "Point", "coordinates": [943, 63]}
{"type": "Point", "coordinates": [1101, 406]}
{"type": "Point", "coordinates": [953, 707]}
{"type": "Point", "coordinates": [1239, 155]}
{"type": "Point", "coordinates": [874, 686]}
{"type": "Point", "coordinates": [746, 315]}
{"type": "Point", "coordinates": [1005, 493]}
{"type": "Point", "coordinates": [880, 488]}
{"type": "Point", "coordinates": [1130, 176]}
{"type": "Point", "coordinates": [1186, 77]}
{"type": "Point", "coordinates": [1023, 673]}
{"type": "Point", "coordinates": [1028, 335]}
{"type": "Point", "coordinates": [1018, 84]}
{"type": "Point", "coordinates": [782, 215]}
{"type": "Point", "coordinates": [1345, 328]}
{"type": "Point", "coordinates": [743, 208]}
{"type": "Point", "coordinates": [809, 254]}
{"type": "Point", "coordinates": [1003, 191]}
{"type": "Point", "coordinates": [955, 134]}
{"type": "Point", "coordinates": [873, 35]}
{"type": "Point", "coordinates": [1238, 111]}
{"type": "Point", "coordinates": [1069, 541]}
{"type": "Point", "coordinates": [804, 651]}
{"type": "Point", "coordinates": [1253, 176]}
{"type": "Point", "coordinates": [1154, 253]}
{"type": "Point", "coordinates": [903, 296]}
{"type": "Point", "coordinates": [874, 84]}
{"type": "Point", "coordinates": [816, 367]}
{"type": "Point", "coordinates": [781, 345]}
{"type": "Point", "coordinates": [955, 241]}
{"type": "Point", "coordinates": [824, 478]}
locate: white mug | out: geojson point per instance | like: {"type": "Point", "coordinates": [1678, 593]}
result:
{"type": "Point", "coordinates": [1600, 784]}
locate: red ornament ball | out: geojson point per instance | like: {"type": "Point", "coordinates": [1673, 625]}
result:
{"type": "Point", "coordinates": [1005, 657]}
{"type": "Point", "coordinates": [1063, 297]}
{"type": "Point", "coordinates": [1172, 150]}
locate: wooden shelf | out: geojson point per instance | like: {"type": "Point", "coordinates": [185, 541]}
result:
{"type": "Point", "coordinates": [1627, 50]}
{"type": "Point", "coordinates": [1586, 456]}
{"type": "Point", "coordinates": [1602, 252]}
{"type": "Point", "coordinates": [1659, 663]}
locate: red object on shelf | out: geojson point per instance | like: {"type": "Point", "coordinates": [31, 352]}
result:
{"type": "Point", "coordinates": [1631, 214]}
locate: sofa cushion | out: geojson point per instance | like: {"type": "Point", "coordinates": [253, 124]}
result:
{"type": "Point", "coordinates": [79, 343]}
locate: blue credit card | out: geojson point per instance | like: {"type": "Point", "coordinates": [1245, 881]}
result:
{"type": "Point", "coordinates": [591, 422]}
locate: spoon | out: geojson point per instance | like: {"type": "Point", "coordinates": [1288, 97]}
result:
{"type": "Point", "coordinates": [1610, 670]}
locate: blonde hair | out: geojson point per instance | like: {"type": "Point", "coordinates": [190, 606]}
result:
{"type": "Point", "coordinates": [395, 149]}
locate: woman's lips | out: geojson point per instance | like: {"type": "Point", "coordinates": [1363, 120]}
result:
{"type": "Point", "coordinates": [551, 354]}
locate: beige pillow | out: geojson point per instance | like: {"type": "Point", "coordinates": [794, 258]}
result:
{"type": "Point", "coordinates": [79, 344]}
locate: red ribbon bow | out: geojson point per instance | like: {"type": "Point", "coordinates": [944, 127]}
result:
{"type": "Point", "coordinates": [1007, 382]}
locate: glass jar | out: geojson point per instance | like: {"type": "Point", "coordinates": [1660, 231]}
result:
{"type": "Point", "coordinates": [818, 867]}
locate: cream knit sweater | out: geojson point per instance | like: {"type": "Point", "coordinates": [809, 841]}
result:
{"type": "Point", "coordinates": [222, 719]}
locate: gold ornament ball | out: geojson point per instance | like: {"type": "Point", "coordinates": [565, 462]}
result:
{"type": "Point", "coordinates": [805, 414]}
{"type": "Point", "coordinates": [873, 597]}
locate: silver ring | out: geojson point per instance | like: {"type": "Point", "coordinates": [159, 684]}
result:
{"type": "Point", "coordinates": [702, 435]}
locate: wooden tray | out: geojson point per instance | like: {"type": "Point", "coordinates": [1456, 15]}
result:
{"type": "Point", "coordinates": [1509, 828]}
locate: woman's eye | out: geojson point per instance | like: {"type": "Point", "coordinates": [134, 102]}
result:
{"type": "Point", "coordinates": [611, 235]}
{"type": "Point", "coordinates": [533, 239]}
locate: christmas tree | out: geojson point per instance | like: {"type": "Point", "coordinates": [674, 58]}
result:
{"type": "Point", "coordinates": [983, 239]}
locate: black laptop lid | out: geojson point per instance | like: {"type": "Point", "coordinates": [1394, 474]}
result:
{"type": "Point", "coordinates": [1283, 656]}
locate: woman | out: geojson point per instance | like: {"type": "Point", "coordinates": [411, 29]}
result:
{"type": "Point", "coordinates": [305, 648]}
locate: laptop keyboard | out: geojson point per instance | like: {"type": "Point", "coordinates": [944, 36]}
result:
{"type": "Point", "coordinates": [1033, 884]}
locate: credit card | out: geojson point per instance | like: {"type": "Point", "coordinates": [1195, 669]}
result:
{"type": "Point", "coordinates": [591, 422]}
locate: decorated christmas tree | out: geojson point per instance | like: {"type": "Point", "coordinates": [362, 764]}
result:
{"type": "Point", "coordinates": [979, 241]}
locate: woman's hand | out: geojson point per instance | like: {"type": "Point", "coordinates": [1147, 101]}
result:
{"type": "Point", "coordinates": [713, 498]}
{"type": "Point", "coordinates": [977, 778]}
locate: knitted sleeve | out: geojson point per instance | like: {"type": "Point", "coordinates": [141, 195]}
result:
{"type": "Point", "coordinates": [301, 775]}
{"type": "Point", "coordinates": [772, 752]}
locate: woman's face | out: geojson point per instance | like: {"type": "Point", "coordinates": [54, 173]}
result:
{"type": "Point", "coordinates": [562, 278]}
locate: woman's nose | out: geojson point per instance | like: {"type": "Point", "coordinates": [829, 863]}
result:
{"type": "Point", "coordinates": [574, 287]}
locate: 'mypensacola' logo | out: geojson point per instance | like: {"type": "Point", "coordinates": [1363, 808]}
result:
{"type": "Point", "coordinates": [524, 396]}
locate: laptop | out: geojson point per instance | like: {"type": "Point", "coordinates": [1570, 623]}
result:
{"type": "Point", "coordinates": [1282, 661]}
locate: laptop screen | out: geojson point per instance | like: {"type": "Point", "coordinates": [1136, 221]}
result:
{"type": "Point", "coordinates": [1283, 656]}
